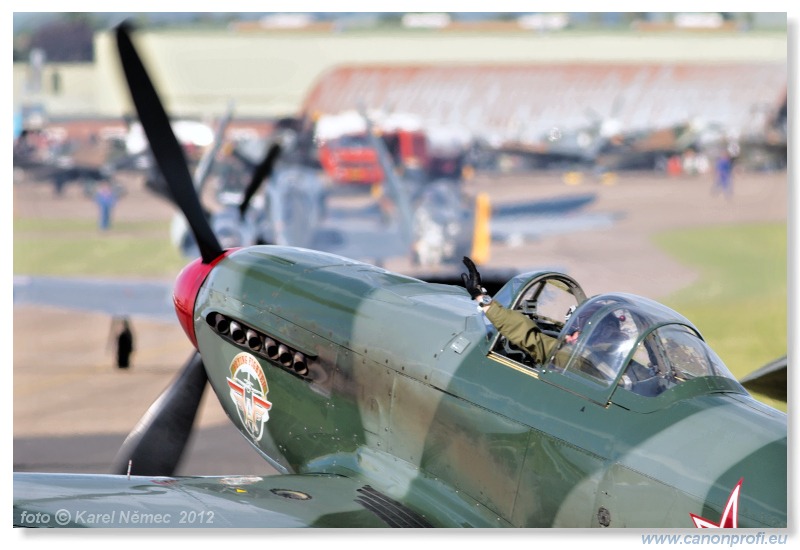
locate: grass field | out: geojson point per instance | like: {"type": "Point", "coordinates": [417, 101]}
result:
{"type": "Point", "coordinates": [76, 247]}
{"type": "Point", "coordinates": [740, 302]}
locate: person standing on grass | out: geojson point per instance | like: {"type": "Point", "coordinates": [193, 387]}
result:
{"type": "Point", "coordinates": [105, 199]}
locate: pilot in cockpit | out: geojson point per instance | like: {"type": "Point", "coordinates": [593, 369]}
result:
{"type": "Point", "coordinates": [523, 332]}
{"type": "Point", "coordinates": [518, 328]}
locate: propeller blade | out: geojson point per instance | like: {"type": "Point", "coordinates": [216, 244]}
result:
{"type": "Point", "coordinates": [203, 170]}
{"type": "Point", "coordinates": [156, 444]}
{"type": "Point", "coordinates": [262, 172]}
{"type": "Point", "coordinates": [164, 145]}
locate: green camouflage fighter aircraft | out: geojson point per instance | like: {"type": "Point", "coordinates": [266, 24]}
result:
{"type": "Point", "coordinates": [386, 401]}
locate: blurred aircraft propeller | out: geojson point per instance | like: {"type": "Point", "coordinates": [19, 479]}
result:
{"type": "Point", "coordinates": [157, 443]}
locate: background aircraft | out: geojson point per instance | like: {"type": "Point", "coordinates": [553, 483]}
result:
{"type": "Point", "coordinates": [45, 159]}
{"type": "Point", "coordinates": [764, 147]}
{"type": "Point", "coordinates": [47, 154]}
{"type": "Point", "coordinates": [604, 145]}
{"type": "Point", "coordinates": [570, 148]}
{"type": "Point", "coordinates": [436, 423]}
{"type": "Point", "coordinates": [433, 222]}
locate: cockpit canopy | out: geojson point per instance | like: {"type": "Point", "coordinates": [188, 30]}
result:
{"type": "Point", "coordinates": [637, 343]}
{"type": "Point", "coordinates": [610, 341]}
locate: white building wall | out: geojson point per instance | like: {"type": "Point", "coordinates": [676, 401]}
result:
{"type": "Point", "coordinates": [269, 73]}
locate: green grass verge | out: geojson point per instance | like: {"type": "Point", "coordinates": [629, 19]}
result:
{"type": "Point", "coordinates": [77, 247]}
{"type": "Point", "coordinates": [740, 301]}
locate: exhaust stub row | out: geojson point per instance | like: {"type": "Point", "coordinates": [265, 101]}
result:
{"type": "Point", "coordinates": [257, 342]}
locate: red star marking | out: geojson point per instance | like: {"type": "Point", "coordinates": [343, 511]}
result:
{"type": "Point", "coordinates": [729, 515]}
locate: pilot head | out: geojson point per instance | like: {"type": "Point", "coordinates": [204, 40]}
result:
{"type": "Point", "coordinates": [608, 327]}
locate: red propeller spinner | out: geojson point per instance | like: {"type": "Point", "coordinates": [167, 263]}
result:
{"type": "Point", "coordinates": [187, 285]}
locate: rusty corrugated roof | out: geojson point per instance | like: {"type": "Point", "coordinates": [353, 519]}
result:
{"type": "Point", "coordinates": [522, 102]}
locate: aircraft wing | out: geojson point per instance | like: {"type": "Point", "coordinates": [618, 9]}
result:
{"type": "Point", "coordinates": [551, 206]}
{"type": "Point", "coordinates": [521, 221]}
{"type": "Point", "coordinates": [769, 380]}
{"type": "Point", "coordinates": [521, 228]}
{"type": "Point", "coordinates": [282, 501]}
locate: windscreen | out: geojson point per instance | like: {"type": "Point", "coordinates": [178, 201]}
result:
{"type": "Point", "coordinates": [669, 356]}
{"type": "Point", "coordinates": [636, 343]}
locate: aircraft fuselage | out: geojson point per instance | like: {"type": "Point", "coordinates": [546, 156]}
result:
{"type": "Point", "coordinates": [390, 379]}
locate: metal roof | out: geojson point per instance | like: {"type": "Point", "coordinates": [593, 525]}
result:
{"type": "Point", "coordinates": [522, 102]}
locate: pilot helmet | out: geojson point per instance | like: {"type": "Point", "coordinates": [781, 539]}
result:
{"type": "Point", "coordinates": [609, 326]}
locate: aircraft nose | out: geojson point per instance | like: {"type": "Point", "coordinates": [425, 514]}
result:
{"type": "Point", "coordinates": [184, 294]}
